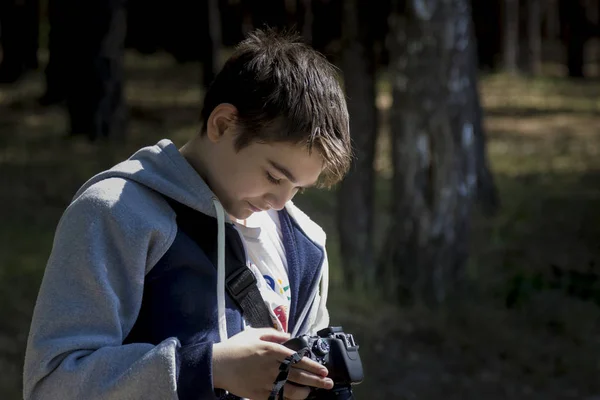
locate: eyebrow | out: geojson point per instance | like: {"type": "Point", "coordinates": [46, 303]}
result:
{"type": "Point", "coordinates": [284, 171]}
{"type": "Point", "coordinates": [288, 174]}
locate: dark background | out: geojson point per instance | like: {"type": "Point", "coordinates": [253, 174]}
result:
{"type": "Point", "coordinates": [464, 244]}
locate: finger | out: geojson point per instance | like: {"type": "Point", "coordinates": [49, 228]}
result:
{"type": "Point", "coordinates": [302, 377]}
{"type": "Point", "coordinates": [294, 392]}
{"type": "Point", "coordinates": [307, 364]}
{"type": "Point", "coordinates": [281, 352]}
{"type": "Point", "coordinates": [273, 335]}
{"type": "Point", "coordinates": [311, 366]}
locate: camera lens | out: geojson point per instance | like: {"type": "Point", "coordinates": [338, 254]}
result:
{"type": "Point", "coordinates": [320, 348]}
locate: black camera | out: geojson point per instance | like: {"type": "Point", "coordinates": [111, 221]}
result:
{"type": "Point", "coordinates": [338, 352]}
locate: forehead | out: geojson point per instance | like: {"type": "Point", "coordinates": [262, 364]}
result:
{"type": "Point", "coordinates": [291, 154]}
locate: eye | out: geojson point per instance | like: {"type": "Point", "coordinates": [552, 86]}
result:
{"type": "Point", "coordinates": [272, 179]}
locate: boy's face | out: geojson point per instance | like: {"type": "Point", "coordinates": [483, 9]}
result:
{"type": "Point", "coordinates": [260, 176]}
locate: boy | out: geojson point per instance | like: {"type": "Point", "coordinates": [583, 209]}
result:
{"type": "Point", "coordinates": [133, 302]}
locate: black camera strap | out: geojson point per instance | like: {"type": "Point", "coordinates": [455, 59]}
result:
{"type": "Point", "coordinates": [241, 285]}
{"type": "Point", "coordinates": [284, 371]}
{"type": "Point", "coordinates": [240, 281]}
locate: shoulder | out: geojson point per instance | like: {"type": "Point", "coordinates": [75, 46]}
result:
{"type": "Point", "coordinates": [122, 197]}
{"type": "Point", "coordinates": [310, 227]}
{"type": "Point", "coordinates": [123, 208]}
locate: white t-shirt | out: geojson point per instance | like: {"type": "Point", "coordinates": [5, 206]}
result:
{"type": "Point", "coordinates": [264, 247]}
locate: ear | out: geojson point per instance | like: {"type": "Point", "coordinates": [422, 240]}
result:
{"type": "Point", "coordinates": [221, 119]}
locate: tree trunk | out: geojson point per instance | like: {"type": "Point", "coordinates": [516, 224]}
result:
{"type": "Point", "coordinates": [576, 30]}
{"type": "Point", "coordinates": [511, 35]}
{"type": "Point", "coordinates": [212, 62]}
{"type": "Point", "coordinates": [487, 192]}
{"type": "Point", "coordinates": [534, 36]}
{"type": "Point", "coordinates": [305, 6]}
{"type": "Point", "coordinates": [267, 13]}
{"type": "Point", "coordinates": [486, 20]}
{"type": "Point", "coordinates": [327, 26]}
{"type": "Point", "coordinates": [95, 89]}
{"type": "Point", "coordinates": [434, 150]}
{"type": "Point", "coordinates": [19, 21]}
{"type": "Point", "coordinates": [355, 205]}
{"type": "Point", "coordinates": [232, 20]}
{"type": "Point", "coordinates": [552, 25]}
{"type": "Point", "coordinates": [594, 13]}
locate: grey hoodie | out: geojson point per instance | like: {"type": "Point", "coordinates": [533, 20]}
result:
{"type": "Point", "coordinates": [118, 227]}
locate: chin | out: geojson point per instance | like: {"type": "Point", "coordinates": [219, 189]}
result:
{"type": "Point", "coordinates": [241, 213]}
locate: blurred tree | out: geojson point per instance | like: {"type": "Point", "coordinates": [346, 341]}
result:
{"type": "Point", "coordinates": [487, 193]}
{"type": "Point", "coordinates": [436, 153]}
{"type": "Point", "coordinates": [594, 15]}
{"type": "Point", "coordinates": [212, 61]}
{"type": "Point", "coordinates": [189, 31]}
{"type": "Point", "coordinates": [145, 24]}
{"type": "Point", "coordinates": [271, 13]}
{"type": "Point", "coordinates": [550, 20]}
{"type": "Point", "coordinates": [355, 215]}
{"type": "Point", "coordinates": [355, 205]}
{"type": "Point", "coordinates": [305, 18]}
{"type": "Point", "coordinates": [576, 30]}
{"type": "Point", "coordinates": [534, 37]}
{"type": "Point", "coordinates": [19, 21]}
{"type": "Point", "coordinates": [320, 22]}
{"type": "Point", "coordinates": [486, 19]}
{"type": "Point", "coordinates": [327, 23]}
{"type": "Point", "coordinates": [184, 29]}
{"type": "Point", "coordinates": [58, 54]}
{"type": "Point", "coordinates": [92, 40]}
{"type": "Point", "coordinates": [511, 35]}
{"type": "Point", "coordinates": [232, 17]}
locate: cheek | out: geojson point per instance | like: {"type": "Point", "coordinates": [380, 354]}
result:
{"type": "Point", "coordinates": [246, 185]}
{"type": "Point", "coordinates": [227, 182]}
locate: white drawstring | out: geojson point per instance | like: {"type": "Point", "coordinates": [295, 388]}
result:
{"type": "Point", "coordinates": [324, 283]}
{"type": "Point", "coordinates": [221, 269]}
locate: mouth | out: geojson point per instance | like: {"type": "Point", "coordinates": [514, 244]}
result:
{"type": "Point", "coordinates": [254, 209]}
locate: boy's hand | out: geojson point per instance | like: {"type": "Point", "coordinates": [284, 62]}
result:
{"type": "Point", "coordinates": [248, 363]}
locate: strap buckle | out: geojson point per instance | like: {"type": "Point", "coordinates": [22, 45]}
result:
{"type": "Point", "coordinates": [240, 282]}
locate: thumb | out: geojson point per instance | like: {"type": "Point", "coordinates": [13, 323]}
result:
{"type": "Point", "coordinates": [273, 335]}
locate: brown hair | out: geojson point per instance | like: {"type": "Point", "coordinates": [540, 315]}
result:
{"type": "Point", "coordinates": [285, 91]}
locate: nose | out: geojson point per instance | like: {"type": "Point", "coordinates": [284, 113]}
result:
{"type": "Point", "coordinates": [277, 199]}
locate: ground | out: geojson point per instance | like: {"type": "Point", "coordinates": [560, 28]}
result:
{"type": "Point", "coordinates": [520, 332]}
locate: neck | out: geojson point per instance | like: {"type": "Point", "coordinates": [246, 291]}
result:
{"type": "Point", "coordinates": [194, 152]}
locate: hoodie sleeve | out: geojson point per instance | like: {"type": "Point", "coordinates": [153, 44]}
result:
{"type": "Point", "coordinates": [89, 299]}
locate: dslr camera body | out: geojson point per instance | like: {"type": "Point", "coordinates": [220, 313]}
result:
{"type": "Point", "coordinates": [338, 352]}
